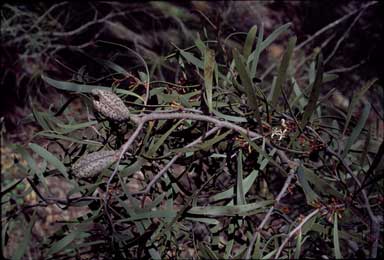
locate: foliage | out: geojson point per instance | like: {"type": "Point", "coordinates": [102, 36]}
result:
{"type": "Point", "coordinates": [309, 187]}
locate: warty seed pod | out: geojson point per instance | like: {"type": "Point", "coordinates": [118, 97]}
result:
{"type": "Point", "coordinates": [109, 105]}
{"type": "Point", "coordinates": [91, 164]}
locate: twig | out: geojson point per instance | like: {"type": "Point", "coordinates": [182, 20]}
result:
{"type": "Point", "coordinates": [375, 222]}
{"type": "Point", "coordinates": [347, 69]}
{"type": "Point", "coordinates": [293, 232]}
{"type": "Point", "coordinates": [123, 149]}
{"type": "Point", "coordinates": [345, 34]}
{"type": "Point", "coordinates": [319, 32]}
{"type": "Point", "coordinates": [46, 14]}
{"type": "Point", "coordinates": [172, 161]}
{"type": "Point", "coordinates": [140, 120]}
{"type": "Point", "coordinates": [198, 117]}
{"type": "Point", "coordinates": [86, 25]}
{"type": "Point", "coordinates": [269, 213]}
{"type": "Point", "coordinates": [333, 24]}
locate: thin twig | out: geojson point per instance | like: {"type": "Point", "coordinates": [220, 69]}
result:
{"type": "Point", "coordinates": [345, 34]}
{"type": "Point", "coordinates": [333, 24]}
{"type": "Point", "coordinates": [269, 213]}
{"type": "Point", "coordinates": [86, 25]}
{"type": "Point", "coordinates": [375, 222]}
{"type": "Point", "coordinates": [321, 31]}
{"type": "Point", "coordinates": [123, 149]}
{"type": "Point", "coordinates": [293, 232]}
{"type": "Point", "coordinates": [172, 161]}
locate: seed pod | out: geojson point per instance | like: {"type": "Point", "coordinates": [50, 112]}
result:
{"type": "Point", "coordinates": [109, 105]}
{"type": "Point", "coordinates": [91, 164]}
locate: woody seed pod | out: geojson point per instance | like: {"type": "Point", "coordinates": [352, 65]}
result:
{"type": "Point", "coordinates": [91, 164]}
{"type": "Point", "coordinates": [109, 105]}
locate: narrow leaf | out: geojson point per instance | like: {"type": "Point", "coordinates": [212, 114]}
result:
{"type": "Point", "coordinates": [49, 157]}
{"type": "Point", "coordinates": [357, 130]}
{"type": "Point", "coordinates": [71, 86]}
{"type": "Point", "coordinates": [209, 65]}
{"type": "Point", "coordinates": [257, 52]}
{"type": "Point", "coordinates": [336, 243]}
{"type": "Point", "coordinates": [249, 41]}
{"type": "Point", "coordinates": [242, 210]}
{"type": "Point", "coordinates": [240, 197]}
{"type": "Point", "coordinates": [156, 146]}
{"type": "Point", "coordinates": [63, 243]}
{"type": "Point", "coordinates": [310, 195]}
{"type": "Point", "coordinates": [272, 37]}
{"type": "Point", "coordinates": [23, 246]}
{"type": "Point", "coordinates": [355, 99]}
{"type": "Point", "coordinates": [282, 73]}
{"type": "Point", "coordinates": [253, 102]}
{"type": "Point", "coordinates": [315, 93]}
{"type": "Point", "coordinates": [192, 59]}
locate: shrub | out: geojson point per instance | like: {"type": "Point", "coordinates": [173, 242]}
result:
{"type": "Point", "coordinates": [228, 161]}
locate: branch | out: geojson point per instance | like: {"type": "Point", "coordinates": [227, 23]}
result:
{"type": "Point", "coordinates": [183, 115]}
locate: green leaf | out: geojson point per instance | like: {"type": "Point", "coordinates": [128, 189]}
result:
{"type": "Point", "coordinates": [162, 213]}
{"type": "Point", "coordinates": [156, 146]}
{"type": "Point", "coordinates": [209, 221]}
{"type": "Point", "coordinates": [242, 210]}
{"type": "Point", "coordinates": [209, 65]}
{"type": "Point", "coordinates": [262, 151]}
{"type": "Point", "coordinates": [315, 92]}
{"type": "Point", "coordinates": [131, 169]}
{"type": "Point", "coordinates": [206, 252]}
{"type": "Point", "coordinates": [73, 127]}
{"type": "Point", "coordinates": [357, 130]}
{"type": "Point", "coordinates": [310, 195]}
{"type": "Point", "coordinates": [10, 187]}
{"type": "Point", "coordinates": [42, 118]}
{"type": "Point", "coordinates": [71, 86]}
{"type": "Point", "coordinates": [205, 145]}
{"type": "Point", "coordinates": [246, 82]}
{"type": "Point", "coordinates": [230, 118]}
{"type": "Point", "coordinates": [26, 156]}
{"type": "Point", "coordinates": [200, 44]}
{"type": "Point", "coordinates": [336, 245]}
{"type": "Point", "coordinates": [282, 73]}
{"type": "Point", "coordinates": [230, 242]}
{"type": "Point", "coordinates": [192, 59]}
{"type": "Point", "coordinates": [247, 184]}
{"type": "Point", "coordinates": [298, 245]}
{"type": "Point", "coordinates": [112, 65]}
{"type": "Point", "coordinates": [67, 138]}
{"type": "Point", "coordinates": [240, 196]}
{"type": "Point", "coordinates": [257, 52]}
{"type": "Point", "coordinates": [272, 37]}
{"type": "Point", "coordinates": [64, 242]}
{"type": "Point", "coordinates": [49, 157]}
{"type": "Point", "coordinates": [23, 246]}
{"type": "Point", "coordinates": [257, 250]}
{"type": "Point", "coordinates": [355, 99]}
{"type": "Point", "coordinates": [329, 77]}
{"type": "Point", "coordinates": [249, 41]}
{"type": "Point", "coordinates": [154, 253]}
{"type": "Point", "coordinates": [321, 185]}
